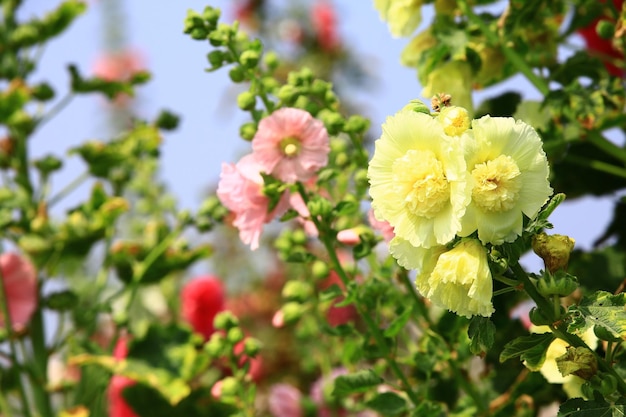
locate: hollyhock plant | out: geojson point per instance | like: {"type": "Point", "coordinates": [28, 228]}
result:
{"type": "Point", "coordinates": [285, 401]}
{"type": "Point", "coordinates": [201, 299]}
{"type": "Point", "coordinates": [240, 189]}
{"type": "Point", "coordinates": [458, 279]}
{"type": "Point", "coordinates": [509, 177]}
{"type": "Point", "coordinates": [19, 278]}
{"type": "Point", "coordinates": [291, 145]}
{"type": "Point", "coordinates": [418, 178]}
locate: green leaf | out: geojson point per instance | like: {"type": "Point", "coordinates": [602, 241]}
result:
{"type": "Point", "coordinates": [398, 323]}
{"type": "Point", "coordinates": [577, 407]}
{"type": "Point", "coordinates": [482, 333]}
{"type": "Point", "coordinates": [387, 404]}
{"type": "Point", "coordinates": [357, 382]}
{"type": "Point", "coordinates": [531, 349]}
{"type": "Point", "coordinates": [601, 309]}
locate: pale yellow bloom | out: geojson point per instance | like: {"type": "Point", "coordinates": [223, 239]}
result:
{"type": "Point", "coordinates": [402, 16]}
{"type": "Point", "coordinates": [458, 279]}
{"type": "Point", "coordinates": [455, 120]}
{"type": "Point", "coordinates": [509, 176]}
{"type": "Point", "coordinates": [418, 179]}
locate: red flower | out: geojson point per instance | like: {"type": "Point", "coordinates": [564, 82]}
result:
{"type": "Point", "coordinates": [325, 25]}
{"type": "Point", "coordinates": [201, 300]}
{"type": "Point", "coordinates": [20, 289]}
{"type": "Point", "coordinates": [603, 48]}
{"type": "Point", "coordinates": [117, 404]}
{"type": "Point", "coordinates": [337, 315]}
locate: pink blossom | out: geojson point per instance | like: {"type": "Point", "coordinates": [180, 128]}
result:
{"type": "Point", "coordinates": [240, 189]}
{"type": "Point", "coordinates": [522, 312]}
{"type": "Point", "coordinates": [118, 66]}
{"type": "Point", "coordinates": [324, 22]}
{"type": "Point", "coordinates": [382, 226]}
{"type": "Point", "coordinates": [19, 278]}
{"type": "Point", "coordinates": [291, 145]}
{"type": "Point", "coordinates": [117, 404]}
{"type": "Point", "coordinates": [278, 319]}
{"type": "Point", "coordinates": [201, 300]}
{"type": "Point", "coordinates": [349, 236]}
{"type": "Point", "coordinates": [298, 204]}
{"type": "Point", "coordinates": [284, 401]}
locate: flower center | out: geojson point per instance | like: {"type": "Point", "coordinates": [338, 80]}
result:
{"type": "Point", "coordinates": [290, 146]}
{"type": "Point", "coordinates": [497, 184]}
{"type": "Point", "coordinates": [420, 178]}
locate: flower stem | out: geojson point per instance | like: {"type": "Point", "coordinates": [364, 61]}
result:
{"type": "Point", "coordinates": [372, 326]}
{"type": "Point", "coordinates": [42, 399]}
{"type": "Point", "coordinates": [68, 188]}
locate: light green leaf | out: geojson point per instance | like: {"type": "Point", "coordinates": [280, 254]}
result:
{"type": "Point", "coordinates": [601, 309]}
{"type": "Point", "coordinates": [577, 407]}
{"type": "Point", "coordinates": [388, 404]}
{"type": "Point", "coordinates": [398, 323]}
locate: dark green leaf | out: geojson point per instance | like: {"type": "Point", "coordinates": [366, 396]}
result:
{"type": "Point", "coordinates": [531, 348]}
{"type": "Point", "coordinates": [577, 407]}
{"type": "Point", "coordinates": [357, 382]}
{"type": "Point", "coordinates": [482, 333]}
{"type": "Point", "coordinates": [398, 323]}
{"type": "Point", "coordinates": [387, 404]}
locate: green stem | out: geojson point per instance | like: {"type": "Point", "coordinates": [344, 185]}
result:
{"type": "Point", "coordinates": [58, 107]}
{"type": "Point", "coordinates": [598, 166]}
{"type": "Point", "coordinates": [510, 282]}
{"type": "Point", "coordinates": [504, 291]}
{"type": "Point", "coordinates": [605, 145]}
{"type": "Point", "coordinates": [12, 348]}
{"type": "Point", "coordinates": [372, 326]}
{"type": "Point", "coordinates": [77, 182]}
{"type": "Point", "coordinates": [41, 397]}
{"type": "Point", "coordinates": [543, 304]}
{"type": "Point", "coordinates": [507, 51]}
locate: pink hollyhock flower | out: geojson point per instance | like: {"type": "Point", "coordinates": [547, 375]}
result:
{"type": "Point", "coordinates": [240, 189]}
{"type": "Point", "coordinates": [291, 145]}
{"type": "Point", "coordinates": [522, 312]}
{"type": "Point", "coordinates": [284, 401]}
{"type": "Point", "coordinates": [382, 226]}
{"type": "Point", "coordinates": [118, 66]}
{"type": "Point", "coordinates": [325, 25]}
{"type": "Point", "coordinates": [117, 404]}
{"type": "Point", "coordinates": [201, 299]}
{"type": "Point", "coordinates": [19, 278]}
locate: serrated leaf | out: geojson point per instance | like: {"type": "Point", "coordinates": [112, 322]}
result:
{"type": "Point", "coordinates": [398, 323]}
{"type": "Point", "coordinates": [482, 334]}
{"type": "Point", "coordinates": [387, 404]}
{"type": "Point", "coordinates": [531, 349]}
{"type": "Point", "coordinates": [577, 407]}
{"type": "Point", "coordinates": [357, 382]}
{"type": "Point", "coordinates": [601, 309]}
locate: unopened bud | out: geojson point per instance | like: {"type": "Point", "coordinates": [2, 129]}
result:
{"type": "Point", "coordinates": [553, 249]}
{"type": "Point", "coordinates": [297, 290]}
{"type": "Point", "coordinates": [246, 101]}
{"type": "Point", "coordinates": [225, 320]}
{"type": "Point", "coordinates": [561, 284]}
{"type": "Point", "coordinates": [416, 106]}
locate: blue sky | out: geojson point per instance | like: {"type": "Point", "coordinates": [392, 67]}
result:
{"type": "Point", "coordinates": [208, 134]}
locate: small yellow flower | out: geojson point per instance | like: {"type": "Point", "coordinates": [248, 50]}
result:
{"type": "Point", "coordinates": [509, 176]}
{"type": "Point", "coordinates": [455, 120]}
{"type": "Point", "coordinates": [402, 16]}
{"type": "Point", "coordinates": [418, 179]}
{"type": "Point", "coordinates": [458, 279]}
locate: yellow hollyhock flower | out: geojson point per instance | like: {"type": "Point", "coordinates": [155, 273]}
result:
{"type": "Point", "coordinates": [402, 16]}
{"type": "Point", "coordinates": [509, 177]}
{"type": "Point", "coordinates": [418, 179]}
{"type": "Point", "coordinates": [458, 279]}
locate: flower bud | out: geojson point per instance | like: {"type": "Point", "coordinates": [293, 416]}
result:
{"type": "Point", "coordinates": [297, 291]}
{"type": "Point", "coordinates": [271, 60]}
{"type": "Point", "coordinates": [237, 74]}
{"type": "Point", "coordinates": [417, 106]}
{"type": "Point", "coordinates": [229, 387]}
{"type": "Point", "coordinates": [561, 284]}
{"type": "Point", "coordinates": [579, 361]}
{"type": "Point", "coordinates": [292, 311]}
{"type": "Point", "coordinates": [215, 346]}
{"type": "Point", "coordinates": [605, 29]}
{"type": "Point", "coordinates": [320, 269]}
{"type": "Point", "coordinates": [216, 58]}
{"type": "Point", "coordinates": [319, 207]}
{"type": "Point", "coordinates": [246, 100]}
{"type": "Point", "coordinates": [538, 318]}
{"type": "Point", "coordinates": [554, 250]}
{"type": "Point", "coordinates": [455, 120]}
{"type": "Point", "coordinates": [42, 92]}
{"type": "Point", "coordinates": [235, 335]}
{"type": "Point", "coordinates": [225, 320]}
{"type": "Point", "coordinates": [248, 130]}
{"type": "Point", "coordinates": [356, 124]}
{"type": "Point", "coordinates": [249, 59]}
{"type": "Point", "coordinates": [251, 347]}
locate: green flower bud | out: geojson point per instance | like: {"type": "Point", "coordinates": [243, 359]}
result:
{"type": "Point", "coordinates": [248, 130]}
{"type": "Point", "coordinates": [356, 124]}
{"type": "Point", "coordinates": [270, 83]}
{"type": "Point", "coordinates": [61, 300]}
{"type": "Point", "coordinates": [319, 206]}
{"type": "Point", "coordinates": [341, 160]}
{"type": "Point", "coordinates": [271, 61]}
{"type": "Point", "coordinates": [287, 93]}
{"type": "Point", "coordinates": [579, 361]}
{"type": "Point", "coordinates": [292, 311]}
{"type": "Point", "coordinates": [332, 120]}
{"type": "Point", "coordinates": [320, 87]}
{"type": "Point", "coordinates": [211, 15]}
{"type": "Point", "coordinates": [225, 320]}
{"type": "Point", "coordinates": [237, 74]}
{"type": "Point", "coordinates": [417, 106]}
{"type": "Point", "coordinates": [215, 346]}
{"type": "Point", "coordinates": [230, 387]}
{"type": "Point", "coordinates": [48, 164]}
{"type": "Point", "coordinates": [252, 347]}
{"type": "Point", "coordinates": [554, 250]}
{"type": "Point", "coordinates": [199, 33]}
{"type": "Point", "coordinates": [246, 100]}
{"type": "Point", "coordinates": [42, 92]}
{"type": "Point", "coordinates": [216, 58]}
{"type": "Point", "coordinates": [298, 237]}
{"type": "Point", "coordinates": [561, 284]}
{"type": "Point", "coordinates": [235, 335]}
{"type": "Point", "coordinates": [360, 178]}
{"type": "Point", "coordinates": [538, 318]}
{"type": "Point", "coordinates": [605, 29]}
{"type": "Point", "coordinates": [297, 291]}
{"type": "Point", "coordinates": [320, 269]}
{"type": "Point", "coordinates": [167, 120]}
{"type": "Point", "coordinates": [249, 59]}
